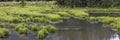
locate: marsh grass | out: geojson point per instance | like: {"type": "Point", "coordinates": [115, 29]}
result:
{"type": "Point", "coordinates": [39, 19]}
{"type": "Point", "coordinates": [34, 28]}
{"type": "Point", "coordinates": [53, 17]}
{"type": "Point", "coordinates": [93, 19]}
{"type": "Point", "coordinates": [64, 14]}
{"type": "Point", "coordinates": [42, 34]}
{"type": "Point", "coordinates": [45, 30]}
{"type": "Point", "coordinates": [2, 25]}
{"type": "Point", "coordinates": [46, 13]}
{"type": "Point", "coordinates": [4, 32]}
{"type": "Point", "coordinates": [12, 25]}
{"type": "Point", "coordinates": [107, 20]}
{"type": "Point", "coordinates": [108, 10]}
{"type": "Point", "coordinates": [22, 28]}
{"type": "Point", "coordinates": [50, 28]}
{"type": "Point", "coordinates": [80, 15]}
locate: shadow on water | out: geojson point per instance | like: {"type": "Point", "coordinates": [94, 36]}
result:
{"type": "Point", "coordinates": [88, 32]}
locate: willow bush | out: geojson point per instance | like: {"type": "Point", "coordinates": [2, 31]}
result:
{"type": "Point", "coordinates": [88, 3]}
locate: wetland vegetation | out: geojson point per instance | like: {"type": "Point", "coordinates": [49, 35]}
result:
{"type": "Point", "coordinates": [40, 17]}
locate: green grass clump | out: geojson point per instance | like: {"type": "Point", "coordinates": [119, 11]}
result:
{"type": "Point", "coordinates": [1, 34]}
{"type": "Point", "coordinates": [53, 17]}
{"type": "Point", "coordinates": [117, 23]}
{"type": "Point", "coordinates": [107, 20]}
{"type": "Point", "coordinates": [93, 19]}
{"type": "Point", "coordinates": [42, 27]}
{"type": "Point", "coordinates": [16, 19]}
{"type": "Point", "coordinates": [44, 30]}
{"type": "Point", "coordinates": [22, 25]}
{"type": "Point", "coordinates": [117, 26]}
{"type": "Point", "coordinates": [4, 32]}
{"type": "Point", "coordinates": [29, 19]}
{"type": "Point", "coordinates": [22, 28]}
{"type": "Point", "coordinates": [105, 10]}
{"type": "Point", "coordinates": [64, 14]}
{"type": "Point", "coordinates": [34, 28]}
{"type": "Point", "coordinates": [51, 29]}
{"type": "Point", "coordinates": [2, 25]}
{"type": "Point", "coordinates": [38, 19]}
{"type": "Point", "coordinates": [12, 25]}
{"type": "Point", "coordinates": [42, 34]}
{"type": "Point", "coordinates": [81, 15]}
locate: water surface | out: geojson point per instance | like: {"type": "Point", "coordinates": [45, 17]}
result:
{"type": "Point", "coordinates": [88, 32]}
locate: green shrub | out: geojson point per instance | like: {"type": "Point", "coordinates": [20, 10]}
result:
{"type": "Point", "coordinates": [42, 34]}
{"type": "Point", "coordinates": [54, 17]}
{"type": "Point", "coordinates": [34, 28]}
{"type": "Point", "coordinates": [2, 25]}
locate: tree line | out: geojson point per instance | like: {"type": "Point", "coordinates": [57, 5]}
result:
{"type": "Point", "coordinates": [82, 3]}
{"type": "Point", "coordinates": [89, 3]}
{"type": "Point", "coordinates": [25, 0]}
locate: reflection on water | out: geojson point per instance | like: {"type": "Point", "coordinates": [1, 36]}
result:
{"type": "Point", "coordinates": [89, 32]}
{"type": "Point", "coordinates": [115, 37]}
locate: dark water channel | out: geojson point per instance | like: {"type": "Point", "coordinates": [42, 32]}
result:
{"type": "Point", "coordinates": [72, 29]}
